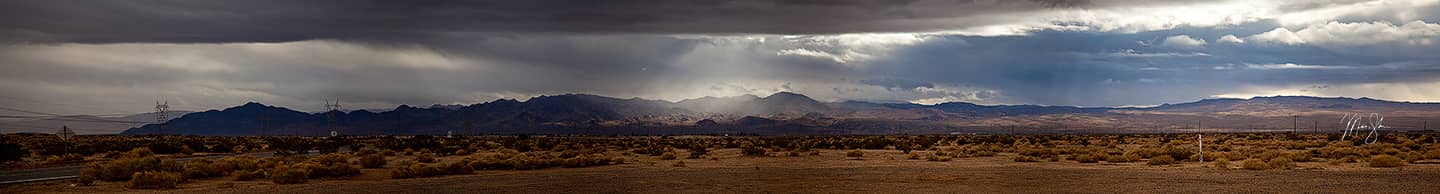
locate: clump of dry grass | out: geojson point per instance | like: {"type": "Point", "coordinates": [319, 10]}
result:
{"type": "Point", "coordinates": [1161, 160]}
{"type": "Point", "coordinates": [1254, 164]}
{"type": "Point", "coordinates": [154, 180]}
{"type": "Point", "coordinates": [1386, 161]}
{"type": "Point", "coordinates": [372, 161]}
{"type": "Point", "coordinates": [1280, 163]}
{"type": "Point", "coordinates": [1222, 163]}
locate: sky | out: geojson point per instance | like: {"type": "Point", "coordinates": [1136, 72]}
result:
{"type": "Point", "coordinates": [112, 56]}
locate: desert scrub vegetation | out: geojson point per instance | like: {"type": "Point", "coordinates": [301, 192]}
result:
{"type": "Point", "coordinates": [1386, 161]}
{"type": "Point", "coordinates": [414, 170]}
{"type": "Point", "coordinates": [514, 160]}
{"type": "Point", "coordinates": [204, 168]}
{"type": "Point", "coordinates": [752, 150]}
{"type": "Point", "coordinates": [1254, 164]}
{"type": "Point", "coordinates": [372, 161]}
{"type": "Point", "coordinates": [288, 175]}
{"type": "Point", "coordinates": [1221, 163]}
{"type": "Point", "coordinates": [1280, 163]}
{"type": "Point", "coordinates": [123, 169]}
{"type": "Point", "coordinates": [1161, 160]}
{"type": "Point", "coordinates": [154, 180]}
{"type": "Point", "coordinates": [1123, 158]}
{"type": "Point", "coordinates": [328, 165]}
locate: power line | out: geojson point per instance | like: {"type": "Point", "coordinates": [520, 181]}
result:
{"type": "Point", "coordinates": [59, 115]}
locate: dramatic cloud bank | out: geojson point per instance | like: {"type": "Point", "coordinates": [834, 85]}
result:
{"type": "Point", "coordinates": [120, 56]}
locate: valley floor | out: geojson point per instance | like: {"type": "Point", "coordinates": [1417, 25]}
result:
{"type": "Point", "coordinates": [879, 171]}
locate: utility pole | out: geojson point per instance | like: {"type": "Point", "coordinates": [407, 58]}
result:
{"type": "Point", "coordinates": [160, 117]}
{"type": "Point", "coordinates": [1296, 123]}
{"type": "Point", "coordinates": [1198, 128]}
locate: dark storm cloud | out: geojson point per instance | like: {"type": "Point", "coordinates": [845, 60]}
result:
{"type": "Point", "coordinates": [378, 54]}
{"type": "Point", "coordinates": [1110, 69]}
{"type": "Point", "coordinates": [287, 20]}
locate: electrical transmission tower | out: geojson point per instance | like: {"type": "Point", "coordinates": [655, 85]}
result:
{"type": "Point", "coordinates": [330, 115]}
{"type": "Point", "coordinates": [160, 117]}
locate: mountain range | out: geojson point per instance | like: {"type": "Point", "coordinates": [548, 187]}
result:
{"type": "Point", "coordinates": [788, 113]}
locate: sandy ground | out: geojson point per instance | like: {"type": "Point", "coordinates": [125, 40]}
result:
{"type": "Point", "coordinates": [880, 171]}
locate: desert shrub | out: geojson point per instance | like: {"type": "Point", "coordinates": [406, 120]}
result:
{"type": "Point", "coordinates": [248, 175]}
{"type": "Point", "coordinates": [455, 168]}
{"type": "Point", "coordinates": [984, 153]}
{"type": "Point", "coordinates": [1222, 163]}
{"type": "Point", "coordinates": [237, 163]}
{"type": "Point", "coordinates": [652, 150]}
{"type": "Point", "coordinates": [1280, 163]}
{"type": "Point", "coordinates": [1026, 159]}
{"type": "Point", "coordinates": [1386, 161]}
{"type": "Point", "coordinates": [201, 168]}
{"type": "Point", "coordinates": [124, 168]}
{"type": "Point", "coordinates": [1087, 158]}
{"type": "Point", "coordinates": [752, 150]}
{"type": "Point", "coordinates": [1123, 158]}
{"type": "Point", "coordinates": [424, 170]}
{"type": "Point", "coordinates": [587, 161]}
{"type": "Point", "coordinates": [153, 180]}
{"type": "Point", "coordinates": [1254, 164]}
{"type": "Point", "coordinates": [668, 156]}
{"type": "Point", "coordinates": [1301, 157]}
{"type": "Point", "coordinates": [1038, 153]}
{"type": "Point", "coordinates": [332, 170]}
{"type": "Point", "coordinates": [1269, 155]}
{"type": "Point", "coordinates": [1434, 153]}
{"type": "Point", "coordinates": [855, 153]}
{"type": "Point", "coordinates": [679, 164]}
{"type": "Point", "coordinates": [64, 158]}
{"type": "Point", "coordinates": [1411, 156]}
{"type": "Point", "coordinates": [1161, 160]}
{"type": "Point", "coordinates": [511, 160]}
{"type": "Point", "coordinates": [138, 153]}
{"type": "Point", "coordinates": [288, 176]}
{"type": "Point", "coordinates": [425, 158]}
{"type": "Point", "coordinates": [372, 161]}
{"type": "Point", "coordinates": [698, 152]}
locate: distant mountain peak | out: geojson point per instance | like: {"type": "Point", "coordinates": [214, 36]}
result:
{"type": "Point", "coordinates": [789, 96]}
{"type": "Point", "coordinates": [251, 106]}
